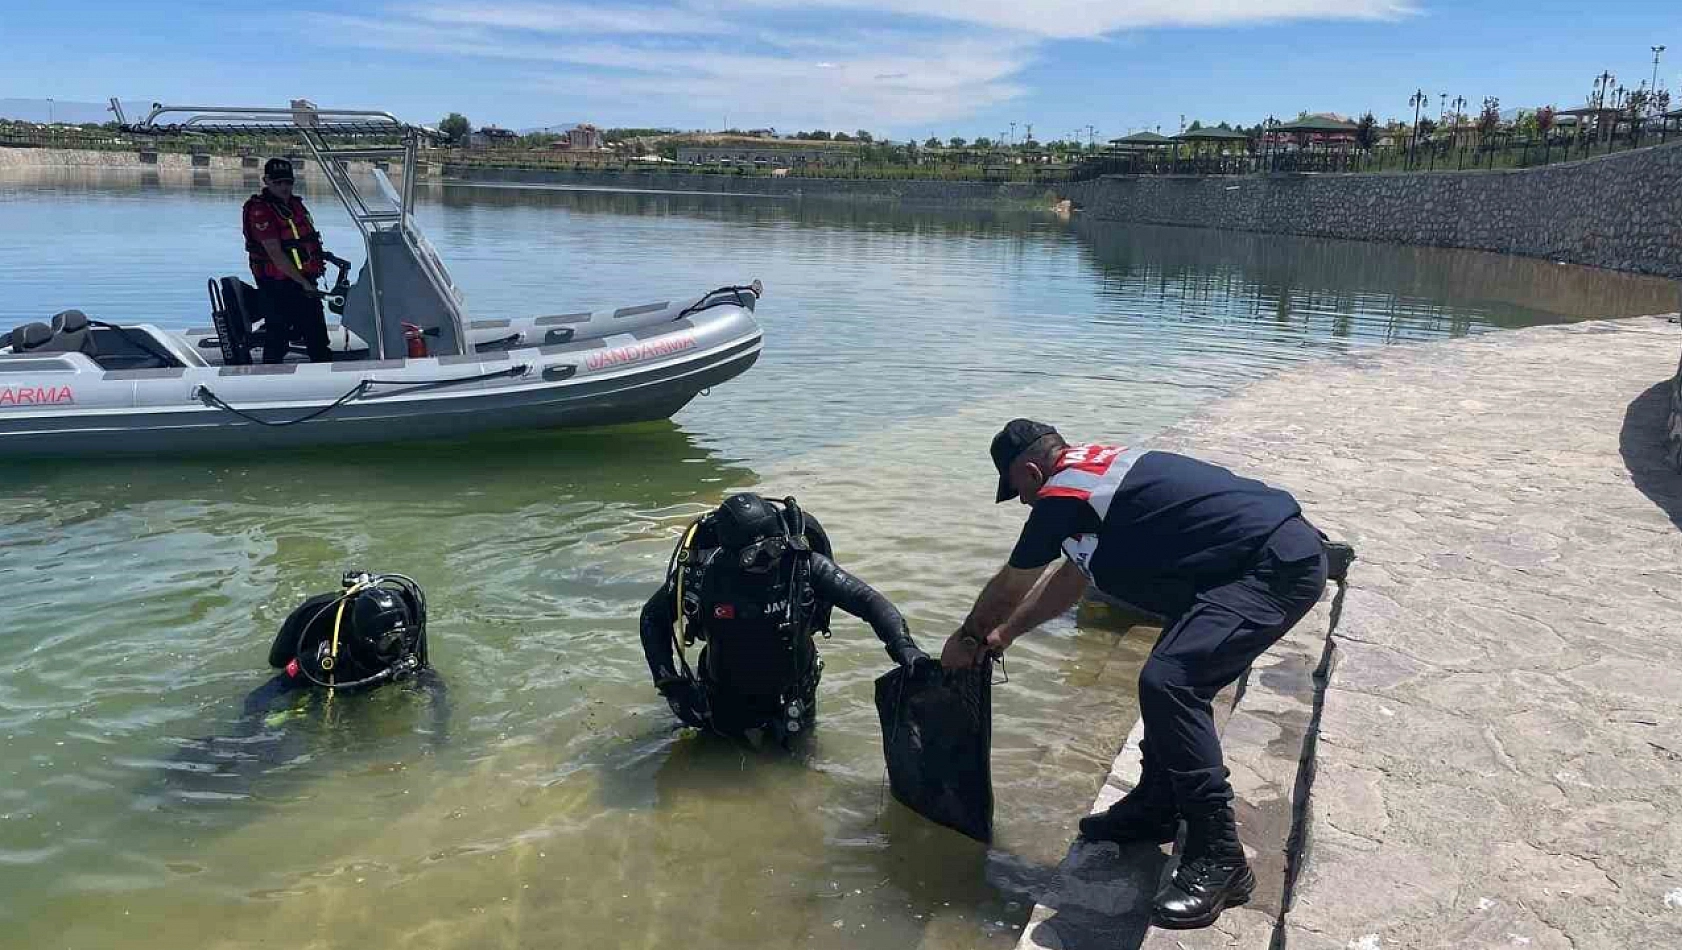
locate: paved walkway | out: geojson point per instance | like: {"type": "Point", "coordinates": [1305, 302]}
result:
{"type": "Point", "coordinates": [1498, 758]}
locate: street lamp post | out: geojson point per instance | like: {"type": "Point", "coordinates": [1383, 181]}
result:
{"type": "Point", "coordinates": [49, 110]}
{"type": "Point", "coordinates": [1418, 99]}
{"type": "Point", "coordinates": [1459, 105]}
{"type": "Point", "coordinates": [1657, 52]}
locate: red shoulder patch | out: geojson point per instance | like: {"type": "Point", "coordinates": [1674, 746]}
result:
{"type": "Point", "coordinates": [724, 611]}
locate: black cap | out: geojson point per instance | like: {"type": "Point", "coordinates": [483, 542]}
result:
{"type": "Point", "coordinates": [277, 169]}
{"type": "Point", "coordinates": [1014, 439]}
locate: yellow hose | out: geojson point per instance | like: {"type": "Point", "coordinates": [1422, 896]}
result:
{"type": "Point", "coordinates": [331, 660]}
{"type": "Point", "coordinates": [681, 632]}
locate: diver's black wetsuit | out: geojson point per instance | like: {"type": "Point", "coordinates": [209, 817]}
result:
{"type": "Point", "coordinates": [759, 660]}
{"type": "Point", "coordinates": [278, 693]}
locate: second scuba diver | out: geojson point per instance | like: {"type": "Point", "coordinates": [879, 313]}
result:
{"type": "Point", "coordinates": [754, 580]}
{"type": "Point", "coordinates": [370, 633]}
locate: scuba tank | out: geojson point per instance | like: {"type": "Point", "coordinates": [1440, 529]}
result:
{"type": "Point", "coordinates": [740, 579]}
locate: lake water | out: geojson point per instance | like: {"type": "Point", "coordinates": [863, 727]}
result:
{"type": "Point", "coordinates": [563, 808]}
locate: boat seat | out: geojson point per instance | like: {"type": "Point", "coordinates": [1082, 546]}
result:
{"type": "Point", "coordinates": [30, 337]}
{"type": "Point", "coordinates": [71, 334]}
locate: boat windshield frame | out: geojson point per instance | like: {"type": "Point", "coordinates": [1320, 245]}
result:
{"type": "Point", "coordinates": [334, 138]}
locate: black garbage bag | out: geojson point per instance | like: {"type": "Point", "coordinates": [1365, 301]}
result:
{"type": "Point", "coordinates": [937, 735]}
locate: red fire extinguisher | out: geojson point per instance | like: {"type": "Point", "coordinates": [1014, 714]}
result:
{"type": "Point", "coordinates": [415, 342]}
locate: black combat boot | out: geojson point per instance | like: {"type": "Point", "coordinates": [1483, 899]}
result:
{"type": "Point", "coordinates": [1212, 875]}
{"type": "Point", "coordinates": [1146, 814]}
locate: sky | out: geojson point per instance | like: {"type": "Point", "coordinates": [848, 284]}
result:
{"type": "Point", "coordinates": [898, 68]}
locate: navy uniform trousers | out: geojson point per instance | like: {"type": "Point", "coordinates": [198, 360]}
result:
{"type": "Point", "coordinates": [1209, 646]}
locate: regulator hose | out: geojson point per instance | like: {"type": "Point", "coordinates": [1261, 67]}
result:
{"type": "Point", "coordinates": [416, 660]}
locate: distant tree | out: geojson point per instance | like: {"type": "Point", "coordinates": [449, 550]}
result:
{"type": "Point", "coordinates": [957, 141]}
{"type": "Point", "coordinates": [931, 142]}
{"type": "Point", "coordinates": [1366, 131]}
{"type": "Point", "coordinates": [1489, 119]}
{"type": "Point", "coordinates": [1661, 102]}
{"type": "Point", "coordinates": [1224, 127]}
{"type": "Point", "coordinates": [1195, 126]}
{"type": "Point", "coordinates": [1544, 120]}
{"type": "Point", "coordinates": [455, 126]}
{"type": "Point", "coordinates": [1427, 127]}
{"type": "Point", "coordinates": [863, 136]}
{"type": "Point", "coordinates": [984, 142]}
{"type": "Point", "coordinates": [1636, 105]}
{"type": "Point", "coordinates": [841, 137]}
{"type": "Point", "coordinates": [818, 135]}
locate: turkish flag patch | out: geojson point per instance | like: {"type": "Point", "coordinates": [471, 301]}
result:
{"type": "Point", "coordinates": [293, 669]}
{"type": "Point", "coordinates": [724, 611]}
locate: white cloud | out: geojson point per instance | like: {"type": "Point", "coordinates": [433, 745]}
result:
{"type": "Point", "coordinates": [917, 62]}
{"type": "Point", "coordinates": [1095, 18]}
{"type": "Point", "coordinates": [892, 81]}
{"type": "Point", "coordinates": [571, 18]}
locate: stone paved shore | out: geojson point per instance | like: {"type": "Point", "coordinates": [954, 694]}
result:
{"type": "Point", "coordinates": [1498, 756]}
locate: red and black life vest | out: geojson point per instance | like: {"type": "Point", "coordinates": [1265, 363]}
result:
{"type": "Point", "coordinates": [267, 217]}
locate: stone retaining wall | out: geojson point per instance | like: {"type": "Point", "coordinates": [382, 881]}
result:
{"type": "Point", "coordinates": [1619, 211]}
{"type": "Point", "coordinates": [910, 192]}
{"type": "Point", "coordinates": [84, 158]}
{"type": "Point", "coordinates": [152, 161]}
{"type": "Point", "coordinates": [1673, 435]}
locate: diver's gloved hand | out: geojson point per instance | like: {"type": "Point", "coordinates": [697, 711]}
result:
{"type": "Point", "coordinates": [923, 666]}
{"type": "Point", "coordinates": [686, 700]}
{"type": "Point", "coordinates": [908, 655]}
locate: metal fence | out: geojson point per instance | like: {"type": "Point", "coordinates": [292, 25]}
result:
{"type": "Point", "coordinates": [103, 140]}
{"type": "Point", "coordinates": [1500, 151]}
{"type": "Point", "coordinates": [1466, 151]}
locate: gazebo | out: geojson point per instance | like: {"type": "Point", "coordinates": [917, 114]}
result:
{"type": "Point", "coordinates": [1222, 137]}
{"type": "Point", "coordinates": [1320, 128]}
{"type": "Point", "coordinates": [1141, 140]}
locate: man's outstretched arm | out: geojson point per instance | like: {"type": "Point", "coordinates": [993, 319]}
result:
{"type": "Point", "coordinates": [998, 601]}
{"type": "Point", "coordinates": [1054, 594]}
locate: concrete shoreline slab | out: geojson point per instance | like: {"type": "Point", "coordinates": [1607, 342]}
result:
{"type": "Point", "coordinates": [1496, 761]}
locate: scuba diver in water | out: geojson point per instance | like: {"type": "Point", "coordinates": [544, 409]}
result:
{"type": "Point", "coordinates": [370, 633]}
{"type": "Point", "coordinates": [754, 580]}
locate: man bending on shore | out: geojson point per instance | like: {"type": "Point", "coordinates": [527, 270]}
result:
{"type": "Point", "coordinates": [1229, 561]}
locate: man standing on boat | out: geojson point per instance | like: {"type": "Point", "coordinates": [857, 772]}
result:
{"type": "Point", "coordinates": [1230, 562]}
{"type": "Point", "coordinates": [286, 261]}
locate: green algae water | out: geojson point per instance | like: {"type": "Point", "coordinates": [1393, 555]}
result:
{"type": "Point", "coordinates": [561, 806]}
